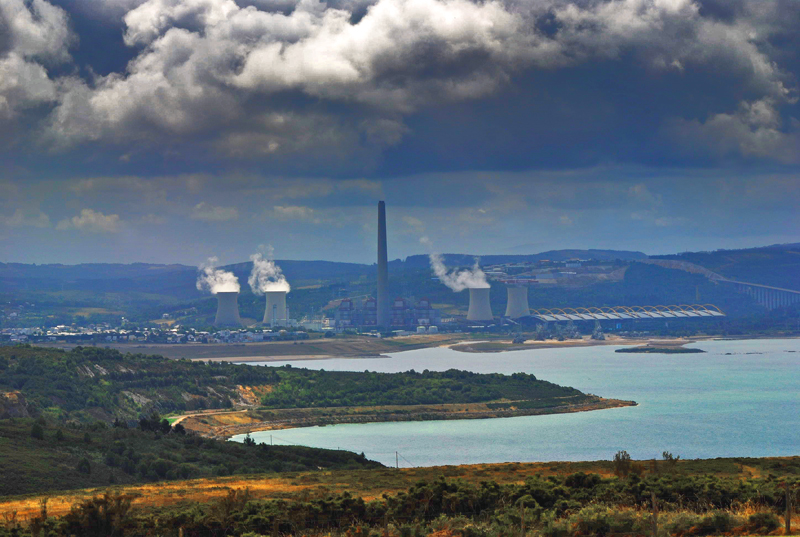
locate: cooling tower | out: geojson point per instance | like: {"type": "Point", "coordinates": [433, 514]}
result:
{"type": "Point", "coordinates": [517, 302]}
{"type": "Point", "coordinates": [479, 308]}
{"type": "Point", "coordinates": [383, 269]}
{"type": "Point", "coordinates": [227, 309]}
{"type": "Point", "coordinates": [275, 314]}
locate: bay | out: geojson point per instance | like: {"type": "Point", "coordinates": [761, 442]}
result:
{"type": "Point", "coordinates": [740, 398]}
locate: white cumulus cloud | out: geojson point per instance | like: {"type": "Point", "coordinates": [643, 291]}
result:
{"type": "Point", "coordinates": [211, 213]}
{"type": "Point", "coordinates": [91, 221]}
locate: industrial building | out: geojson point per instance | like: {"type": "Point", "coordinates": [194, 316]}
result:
{"type": "Point", "coordinates": [382, 305]}
{"type": "Point", "coordinates": [479, 307]}
{"type": "Point", "coordinates": [625, 312]}
{"type": "Point", "coordinates": [404, 312]}
{"type": "Point", "coordinates": [517, 306]}
{"type": "Point", "coordinates": [276, 312]}
{"type": "Point", "coordinates": [227, 309]}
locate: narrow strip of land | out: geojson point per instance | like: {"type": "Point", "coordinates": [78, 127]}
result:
{"type": "Point", "coordinates": [227, 424]}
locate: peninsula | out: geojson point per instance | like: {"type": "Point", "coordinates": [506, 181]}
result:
{"type": "Point", "coordinates": [221, 399]}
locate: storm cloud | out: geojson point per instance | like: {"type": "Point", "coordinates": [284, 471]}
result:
{"type": "Point", "coordinates": [224, 114]}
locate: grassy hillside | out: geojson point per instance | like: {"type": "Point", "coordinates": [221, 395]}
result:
{"type": "Point", "coordinates": [38, 455]}
{"type": "Point", "coordinates": [778, 266]}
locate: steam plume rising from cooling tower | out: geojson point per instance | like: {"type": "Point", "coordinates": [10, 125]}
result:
{"type": "Point", "coordinates": [216, 280]}
{"type": "Point", "coordinates": [266, 276]}
{"type": "Point", "coordinates": [457, 280]}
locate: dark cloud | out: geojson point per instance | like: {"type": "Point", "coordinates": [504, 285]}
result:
{"type": "Point", "coordinates": [596, 119]}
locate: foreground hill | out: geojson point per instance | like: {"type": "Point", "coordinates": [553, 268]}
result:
{"type": "Point", "coordinates": [39, 455]}
{"type": "Point", "coordinates": [741, 496]}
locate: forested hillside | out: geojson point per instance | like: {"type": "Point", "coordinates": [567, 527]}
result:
{"type": "Point", "coordinates": [88, 384]}
{"type": "Point", "coordinates": [40, 455]}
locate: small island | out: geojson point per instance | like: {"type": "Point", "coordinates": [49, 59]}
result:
{"type": "Point", "coordinates": [648, 349]}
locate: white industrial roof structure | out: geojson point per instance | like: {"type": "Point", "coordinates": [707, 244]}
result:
{"type": "Point", "coordinates": [628, 312]}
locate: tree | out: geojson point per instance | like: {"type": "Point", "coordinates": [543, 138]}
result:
{"type": "Point", "coordinates": [59, 435]}
{"type": "Point", "coordinates": [671, 460]}
{"type": "Point", "coordinates": [622, 463]}
{"type": "Point", "coordinates": [248, 440]}
{"type": "Point", "coordinates": [84, 466]}
{"type": "Point", "coordinates": [179, 429]}
{"type": "Point", "coordinates": [37, 431]}
{"type": "Point", "coordinates": [164, 426]}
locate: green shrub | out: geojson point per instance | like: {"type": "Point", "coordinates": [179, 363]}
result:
{"type": "Point", "coordinates": [682, 523]}
{"type": "Point", "coordinates": [714, 523]}
{"type": "Point", "coordinates": [600, 520]}
{"type": "Point", "coordinates": [763, 522]}
{"type": "Point", "coordinates": [37, 431]}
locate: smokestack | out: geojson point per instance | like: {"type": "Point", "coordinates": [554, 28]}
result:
{"type": "Point", "coordinates": [479, 308]}
{"type": "Point", "coordinates": [275, 313]}
{"type": "Point", "coordinates": [517, 302]}
{"type": "Point", "coordinates": [383, 269]}
{"type": "Point", "coordinates": [227, 309]}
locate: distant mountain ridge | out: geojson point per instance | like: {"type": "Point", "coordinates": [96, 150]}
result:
{"type": "Point", "coordinates": [293, 269]}
{"type": "Point", "coordinates": [421, 261]}
{"type": "Point", "coordinates": [777, 265]}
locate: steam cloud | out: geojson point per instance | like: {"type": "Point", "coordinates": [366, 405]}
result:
{"type": "Point", "coordinates": [457, 280]}
{"type": "Point", "coordinates": [216, 280]}
{"type": "Point", "coordinates": [266, 276]}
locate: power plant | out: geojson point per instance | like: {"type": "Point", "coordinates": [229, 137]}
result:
{"type": "Point", "coordinates": [227, 309]}
{"type": "Point", "coordinates": [384, 318]}
{"type": "Point", "coordinates": [479, 308]}
{"type": "Point", "coordinates": [517, 305]}
{"type": "Point", "coordinates": [275, 313]}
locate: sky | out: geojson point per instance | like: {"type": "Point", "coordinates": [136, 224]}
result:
{"type": "Point", "coordinates": [169, 131]}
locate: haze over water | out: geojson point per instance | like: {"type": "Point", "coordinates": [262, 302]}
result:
{"type": "Point", "coordinates": [741, 398]}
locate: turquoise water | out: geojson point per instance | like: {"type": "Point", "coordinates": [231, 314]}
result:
{"type": "Point", "coordinates": [741, 398]}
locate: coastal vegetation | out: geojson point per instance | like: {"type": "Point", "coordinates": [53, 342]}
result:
{"type": "Point", "coordinates": [304, 388]}
{"type": "Point", "coordinates": [88, 384]}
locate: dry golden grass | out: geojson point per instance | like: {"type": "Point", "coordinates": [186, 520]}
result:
{"type": "Point", "coordinates": [368, 484]}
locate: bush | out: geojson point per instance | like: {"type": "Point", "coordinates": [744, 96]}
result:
{"type": "Point", "coordinates": [601, 520]}
{"type": "Point", "coordinates": [714, 523]}
{"type": "Point", "coordinates": [682, 523]}
{"type": "Point", "coordinates": [763, 522]}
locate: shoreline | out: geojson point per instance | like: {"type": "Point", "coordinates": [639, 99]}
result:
{"type": "Point", "coordinates": [362, 347]}
{"type": "Point", "coordinates": [225, 425]}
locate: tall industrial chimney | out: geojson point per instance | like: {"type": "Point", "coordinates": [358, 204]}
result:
{"type": "Point", "coordinates": [479, 308]}
{"type": "Point", "coordinates": [227, 309]}
{"type": "Point", "coordinates": [275, 313]}
{"type": "Point", "coordinates": [517, 302]}
{"type": "Point", "coordinates": [383, 269]}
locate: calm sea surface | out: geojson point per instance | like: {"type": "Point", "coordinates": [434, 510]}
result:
{"type": "Point", "coordinates": [741, 398]}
